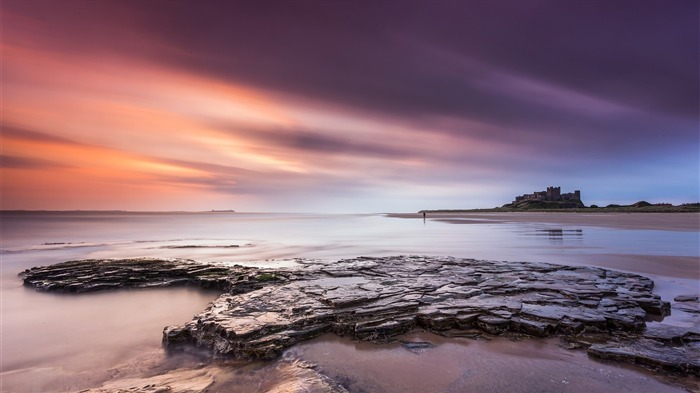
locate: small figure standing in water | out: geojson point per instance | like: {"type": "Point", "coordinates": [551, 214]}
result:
{"type": "Point", "coordinates": [424, 215]}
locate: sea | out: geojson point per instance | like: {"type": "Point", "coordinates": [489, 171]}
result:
{"type": "Point", "coordinates": [63, 343]}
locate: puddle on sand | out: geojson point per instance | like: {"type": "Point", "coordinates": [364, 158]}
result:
{"type": "Point", "coordinates": [462, 365]}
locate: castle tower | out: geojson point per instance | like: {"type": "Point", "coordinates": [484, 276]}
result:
{"type": "Point", "coordinates": [553, 193]}
{"type": "Point", "coordinates": [578, 194]}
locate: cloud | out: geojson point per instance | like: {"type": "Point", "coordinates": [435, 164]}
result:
{"type": "Point", "coordinates": [321, 142]}
{"type": "Point", "coordinates": [12, 132]}
{"type": "Point", "coordinates": [327, 99]}
{"type": "Point", "coordinates": [17, 162]}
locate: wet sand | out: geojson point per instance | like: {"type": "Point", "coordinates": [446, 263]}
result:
{"type": "Point", "coordinates": [71, 342]}
{"type": "Point", "coordinates": [465, 365]}
{"type": "Point", "coordinates": [436, 364]}
{"type": "Point", "coordinates": [657, 221]}
{"type": "Point", "coordinates": [659, 265]}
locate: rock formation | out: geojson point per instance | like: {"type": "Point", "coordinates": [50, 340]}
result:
{"type": "Point", "coordinates": [262, 312]}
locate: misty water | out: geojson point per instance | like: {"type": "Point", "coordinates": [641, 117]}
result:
{"type": "Point", "coordinates": [53, 342]}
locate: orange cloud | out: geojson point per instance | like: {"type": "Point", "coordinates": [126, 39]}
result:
{"type": "Point", "coordinates": [124, 130]}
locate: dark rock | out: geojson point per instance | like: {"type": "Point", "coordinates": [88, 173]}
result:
{"type": "Point", "coordinates": [384, 329]}
{"type": "Point", "coordinates": [103, 274]}
{"type": "Point", "coordinates": [686, 298]}
{"type": "Point", "coordinates": [492, 324]}
{"type": "Point", "coordinates": [673, 335]}
{"type": "Point", "coordinates": [466, 321]}
{"type": "Point", "coordinates": [417, 347]}
{"type": "Point", "coordinates": [262, 312]}
{"type": "Point", "coordinates": [652, 353]}
{"type": "Point", "coordinates": [532, 328]}
{"type": "Point", "coordinates": [687, 307]}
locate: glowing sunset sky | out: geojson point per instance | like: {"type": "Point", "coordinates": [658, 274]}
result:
{"type": "Point", "coordinates": [346, 106]}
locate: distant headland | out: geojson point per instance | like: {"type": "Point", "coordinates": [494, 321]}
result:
{"type": "Point", "coordinates": [554, 200]}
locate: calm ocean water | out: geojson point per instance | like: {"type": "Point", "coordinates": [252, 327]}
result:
{"type": "Point", "coordinates": [57, 342]}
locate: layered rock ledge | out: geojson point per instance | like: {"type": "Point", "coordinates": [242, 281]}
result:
{"type": "Point", "coordinates": [262, 312]}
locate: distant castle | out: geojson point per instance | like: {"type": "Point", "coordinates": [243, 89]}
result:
{"type": "Point", "coordinates": [552, 194]}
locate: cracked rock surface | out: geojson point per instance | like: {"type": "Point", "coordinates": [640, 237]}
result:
{"type": "Point", "coordinates": [262, 312]}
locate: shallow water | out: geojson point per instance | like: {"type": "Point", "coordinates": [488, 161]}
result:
{"type": "Point", "coordinates": [54, 342]}
{"type": "Point", "coordinates": [69, 342]}
{"type": "Point", "coordinates": [466, 366]}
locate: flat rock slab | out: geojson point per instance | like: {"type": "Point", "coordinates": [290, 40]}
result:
{"type": "Point", "coordinates": [91, 275]}
{"type": "Point", "coordinates": [683, 358]}
{"type": "Point", "coordinates": [262, 312]}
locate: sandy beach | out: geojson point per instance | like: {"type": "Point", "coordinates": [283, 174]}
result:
{"type": "Point", "coordinates": [652, 221]}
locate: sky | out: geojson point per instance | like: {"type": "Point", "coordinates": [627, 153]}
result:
{"type": "Point", "coordinates": [346, 106]}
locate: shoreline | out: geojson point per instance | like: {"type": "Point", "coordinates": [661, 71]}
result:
{"type": "Point", "coordinates": [639, 207]}
{"type": "Point", "coordinates": [685, 222]}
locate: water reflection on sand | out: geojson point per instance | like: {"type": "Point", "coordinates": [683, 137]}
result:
{"type": "Point", "coordinates": [464, 365]}
{"type": "Point", "coordinates": [54, 342]}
